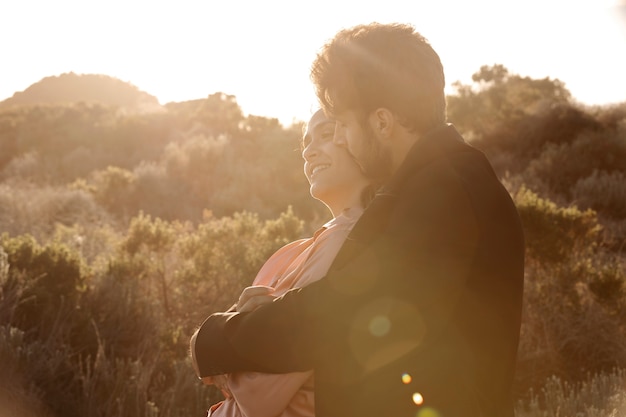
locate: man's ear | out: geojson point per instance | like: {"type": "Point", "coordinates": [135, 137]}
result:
{"type": "Point", "coordinates": [382, 122]}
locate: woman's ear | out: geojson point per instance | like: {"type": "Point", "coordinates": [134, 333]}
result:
{"type": "Point", "coordinates": [382, 122]}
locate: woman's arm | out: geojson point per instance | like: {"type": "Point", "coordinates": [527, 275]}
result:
{"type": "Point", "coordinates": [266, 395]}
{"type": "Point", "coordinates": [256, 394]}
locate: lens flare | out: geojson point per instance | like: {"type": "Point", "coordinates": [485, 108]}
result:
{"type": "Point", "coordinates": [406, 378]}
{"type": "Point", "coordinates": [383, 331]}
{"type": "Point", "coordinates": [417, 398]}
{"type": "Point", "coordinates": [427, 412]}
{"type": "Point", "coordinates": [379, 326]}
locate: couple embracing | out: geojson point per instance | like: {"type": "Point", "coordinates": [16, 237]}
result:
{"type": "Point", "coordinates": [408, 301]}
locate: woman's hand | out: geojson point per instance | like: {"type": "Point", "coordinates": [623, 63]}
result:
{"type": "Point", "coordinates": [253, 297]}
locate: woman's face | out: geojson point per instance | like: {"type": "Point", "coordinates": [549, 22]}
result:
{"type": "Point", "coordinates": [335, 177]}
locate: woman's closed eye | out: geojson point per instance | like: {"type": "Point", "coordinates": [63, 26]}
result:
{"type": "Point", "coordinates": [327, 134]}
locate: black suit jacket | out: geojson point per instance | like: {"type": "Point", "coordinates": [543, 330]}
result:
{"type": "Point", "coordinates": [420, 309]}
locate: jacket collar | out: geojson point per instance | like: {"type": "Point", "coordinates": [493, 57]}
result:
{"type": "Point", "coordinates": [435, 144]}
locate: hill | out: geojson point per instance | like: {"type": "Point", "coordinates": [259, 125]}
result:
{"type": "Point", "coordinates": [90, 88]}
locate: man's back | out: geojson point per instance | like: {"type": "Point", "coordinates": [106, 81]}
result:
{"type": "Point", "coordinates": [439, 257]}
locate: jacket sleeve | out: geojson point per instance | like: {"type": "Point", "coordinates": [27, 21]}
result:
{"type": "Point", "coordinates": [393, 295]}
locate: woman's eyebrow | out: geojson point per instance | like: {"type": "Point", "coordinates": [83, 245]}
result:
{"type": "Point", "coordinates": [322, 125]}
{"type": "Point", "coordinates": [316, 129]}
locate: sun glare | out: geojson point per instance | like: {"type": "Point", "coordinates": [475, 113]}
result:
{"type": "Point", "coordinates": [192, 49]}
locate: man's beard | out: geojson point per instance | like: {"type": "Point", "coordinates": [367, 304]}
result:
{"type": "Point", "coordinates": [374, 158]}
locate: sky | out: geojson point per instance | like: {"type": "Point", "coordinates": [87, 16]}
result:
{"type": "Point", "coordinates": [261, 51]}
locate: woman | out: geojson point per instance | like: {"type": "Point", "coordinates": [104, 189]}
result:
{"type": "Point", "coordinates": [337, 180]}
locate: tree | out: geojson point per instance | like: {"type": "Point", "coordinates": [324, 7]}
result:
{"type": "Point", "coordinates": [498, 98]}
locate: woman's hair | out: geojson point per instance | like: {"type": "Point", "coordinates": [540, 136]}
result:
{"type": "Point", "coordinates": [382, 65]}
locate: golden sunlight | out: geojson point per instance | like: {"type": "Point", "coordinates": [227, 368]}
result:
{"type": "Point", "coordinates": [261, 52]}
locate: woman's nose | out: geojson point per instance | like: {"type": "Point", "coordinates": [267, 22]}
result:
{"type": "Point", "coordinates": [309, 152]}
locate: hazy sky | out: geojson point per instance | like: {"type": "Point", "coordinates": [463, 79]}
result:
{"type": "Point", "coordinates": [261, 51]}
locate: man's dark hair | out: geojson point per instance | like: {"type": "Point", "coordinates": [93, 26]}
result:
{"type": "Point", "coordinates": [382, 65]}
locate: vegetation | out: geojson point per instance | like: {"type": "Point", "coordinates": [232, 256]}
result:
{"type": "Point", "coordinates": [89, 88]}
{"type": "Point", "coordinates": [122, 229]}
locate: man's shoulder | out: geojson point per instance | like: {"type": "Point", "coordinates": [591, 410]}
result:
{"type": "Point", "coordinates": [441, 145]}
{"type": "Point", "coordinates": [445, 141]}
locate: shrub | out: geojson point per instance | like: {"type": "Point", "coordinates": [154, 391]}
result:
{"type": "Point", "coordinates": [569, 328]}
{"type": "Point", "coordinates": [25, 365]}
{"type": "Point", "coordinates": [603, 192]}
{"type": "Point", "coordinates": [113, 189]}
{"type": "Point", "coordinates": [25, 167]}
{"type": "Point", "coordinates": [94, 242]}
{"type": "Point", "coordinates": [221, 266]}
{"type": "Point", "coordinates": [48, 279]}
{"type": "Point", "coordinates": [36, 210]}
{"type": "Point", "coordinates": [600, 395]}
{"type": "Point", "coordinates": [555, 233]}
{"type": "Point", "coordinates": [555, 125]}
{"type": "Point", "coordinates": [105, 341]}
{"type": "Point", "coordinates": [41, 321]}
{"type": "Point", "coordinates": [561, 166]}
{"type": "Point", "coordinates": [573, 295]}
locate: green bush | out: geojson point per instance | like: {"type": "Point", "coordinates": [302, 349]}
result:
{"type": "Point", "coordinates": [497, 101]}
{"type": "Point", "coordinates": [48, 280]}
{"type": "Point", "coordinates": [561, 166]}
{"type": "Point", "coordinates": [41, 322]}
{"type": "Point", "coordinates": [554, 233]}
{"type": "Point", "coordinates": [220, 265]}
{"type": "Point", "coordinates": [603, 192]}
{"type": "Point", "coordinates": [574, 300]}
{"type": "Point", "coordinates": [569, 327]}
{"type": "Point", "coordinates": [111, 338]}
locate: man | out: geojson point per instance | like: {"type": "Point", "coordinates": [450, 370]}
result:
{"type": "Point", "coordinates": [420, 312]}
